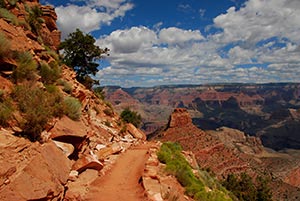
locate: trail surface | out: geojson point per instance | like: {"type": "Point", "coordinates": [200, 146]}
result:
{"type": "Point", "coordinates": [121, 183]}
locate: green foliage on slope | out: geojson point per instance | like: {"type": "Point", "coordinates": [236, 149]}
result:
{"type": "Point", "coordinates": [133, 117]}
{"type": "Point", "coordinates": [72, 108]}
{"type": "Point", "coordinates": [246, 190]}
{"type": "Point", "coordinates": [37, 107]}
{"type": "Point", "coordinates": [201, 187]}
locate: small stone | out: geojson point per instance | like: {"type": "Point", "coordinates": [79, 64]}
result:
{"type": "Point", "coordinates": [73, 175]}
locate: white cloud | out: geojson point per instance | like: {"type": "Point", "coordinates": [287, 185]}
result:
{"type": "Point", "coordinates": [260, 42]}
{"type": "Point", "coordinates": [143, 53]}
{"type": "Point", "coordinates": [91, 16]}
{"type": "Point", "coordinates": [129, 41]}
{"type": "Point", "coordinates": [238, 55]}
{"type": "Point", "coordinates": [260, 19]}
{"type": "Point", "coordinates": [178, 36]}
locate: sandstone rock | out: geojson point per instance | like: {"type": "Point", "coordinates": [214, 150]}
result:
{"type": "Point", "coordinates": [73, 175]}
{"type": "Point", "coordinates": [71, 132]}
{"type": "Point", "coordinates": [30, 171]}
{"type": "Point", "coordinates": [18, 38]}
{"type": "Point", "coordinates": [67, 148]}
{"type": "Point", "coordinates": [50, 17]}
{"type": "Point", "coordinates": [67, 127]}
{"type": "Point", "coordinates": [100, 146]}
{"type": "Point", "coordinates": [77, 190]}
{"type": "Point", "coordinates": [109, 150]}
{"type": "Point", "coordinates": [87, 162]}
{"type": "Point", "coordinates": [210, 152]}
{"type": "Point", "coordinates": [294, 177]}
{"type": "Point", "coordinates": [152, 187]}
{"type": "Point", "coordinates": [233, 135]}
{"type": "Point", "coordinates": [138, 134]}
{"type": "Point", "coordinates": [180, 117]}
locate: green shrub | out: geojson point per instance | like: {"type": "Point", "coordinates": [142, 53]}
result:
{"type": "Point", "coordinates": [108, 112]}
{"type": "Point", "coordinates": [12, 2]}
{"type": "Point", "coordinates": [26, 67]}
{"type": "Point", "coordinates": [176, 164]}
{"type": "Point", "coordinates": [133, 117]}
{"type": "Point", "coordinates": [49, 72]}
{"type": "Point", "coordinates": [99, 92]}
{"type": "Point", "coordinates": [107, 123]}
{"type": "Point", "coordinates": [8, 16]}
{"type": "Point", "coordinates": [245, 189]}
{"type": "Point", "coordinates": [4, 46]}
{"type": "Point", "coordinates": [34, 18]}
{"type": "Point", "coordinates": [72, 108]}
{"type": "Point", "coordinates": [37, 107]}
{"type": "Point", "coordinates": [6, 111]}
{"type": "Point", "coordinates": [52, 53]}
{"type": "Point", "coordinates": [123, 129]}
{"type": "Point", "coordinates": [67, 87]}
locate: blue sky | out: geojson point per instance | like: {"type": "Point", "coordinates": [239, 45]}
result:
{"type": "Point", "coordinates": [189, 41]}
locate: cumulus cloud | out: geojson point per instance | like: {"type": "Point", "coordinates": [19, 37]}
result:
{"type": "Point", "coordinates": [170, 55]}
{"type": "Point", "coordinates": [258, 42]}
{"type": "Point", "coordinates": [130, 40]}
{"type": "Point", "coordinates": [91, 15]}
{"type": "Point", "coordinates": [260, 19]}
{"type": "Point", "coordinates": [173, 36]}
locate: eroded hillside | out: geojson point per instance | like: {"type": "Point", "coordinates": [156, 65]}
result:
{"type": "Point", "coordinates": [268, 111]}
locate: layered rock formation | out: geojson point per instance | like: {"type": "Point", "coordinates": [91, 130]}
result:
{"type": "Point", "coordinates": [209, 151]}
{"type": "Point", "coordinates": [229, 151]}
{"type": "Point", "coordinates": [267, 111]}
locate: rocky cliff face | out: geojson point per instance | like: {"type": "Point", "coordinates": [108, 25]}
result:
{"type": "Point", "coordinates": [209, 151]}
{"type": "Point", "coordinates": [180, 118]}
{"type": "Point", "coordinates": [68, 151]}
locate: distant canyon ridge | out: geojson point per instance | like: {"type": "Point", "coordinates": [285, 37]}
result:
{"type": "Point", "coordinates": [268, 111]}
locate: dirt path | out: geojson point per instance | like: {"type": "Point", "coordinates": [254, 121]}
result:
{"type": "Point", "coordinates": [122, 182]}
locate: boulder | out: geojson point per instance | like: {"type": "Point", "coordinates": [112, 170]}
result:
{"type": "Point", "coordinates": [109, 150]}
{"type": "Point", "coordinates": [87, 162]}
{"type": "Point", "coordinates": [136, 133]}
{"type": "Point", "coordinates": [77, 190]}
{"type": "Point", "coordinates": [67, 148]}
{"type": "Point", "coordinates": [30, 171]}
{"type": "Point", "coordinates": [70, 132]}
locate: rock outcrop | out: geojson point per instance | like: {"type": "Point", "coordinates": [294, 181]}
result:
{"type": "Point", "coordinates": [180, 118]}
{"type": "Point", "coordinates": [209, 151]}
{"type": "Point", "coordinates": [31, 171]}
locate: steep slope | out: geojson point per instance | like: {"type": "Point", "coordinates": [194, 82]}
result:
{"type": "Point", "coordinates": [209, 151]}
{"type": "Point", "coordinates": [54, 132]}
{"type": "Point", "coordinates": [228, 151]}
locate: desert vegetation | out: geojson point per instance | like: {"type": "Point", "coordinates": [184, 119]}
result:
{"type": "Point", "coordinates": [201, 187]}
{"type": "Point", "coordinates": [130, 116]}
{"type": "Point", "coordinates": [243, 187]}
